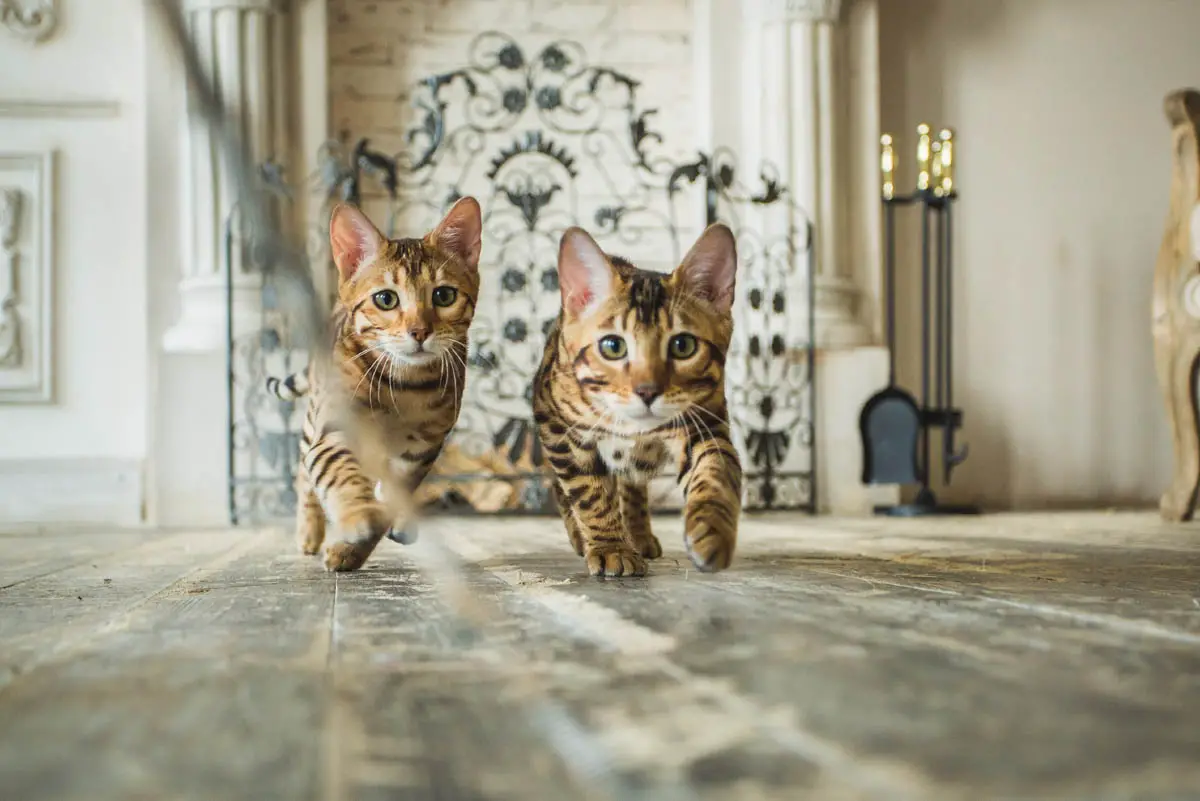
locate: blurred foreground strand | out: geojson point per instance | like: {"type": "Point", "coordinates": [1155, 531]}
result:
{"type": "Point", "coordinates": [580, 751]}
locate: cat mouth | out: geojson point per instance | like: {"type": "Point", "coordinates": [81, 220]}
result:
{"type": "Point", "coordinates": [644, 420]}
{"type": "Point", "coordinates": [421, 355]}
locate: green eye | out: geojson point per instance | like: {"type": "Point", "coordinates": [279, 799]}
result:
{"type": "Point", "coordinates": [386, 299]}
{"type": "Point", "coordinates": [682, 346]}
{"type": "Point", "coordinates": [612, 347]}
{"type": "Point", "coordinates": [445, 296]}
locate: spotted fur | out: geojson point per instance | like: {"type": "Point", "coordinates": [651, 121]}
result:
{"type": "Point", "coordinates": [399, 354]}
{"type": "Point", "coordinates": [611, 417]}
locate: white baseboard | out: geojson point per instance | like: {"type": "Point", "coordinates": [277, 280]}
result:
{"type": "Point", "coordinates": [96, 491]}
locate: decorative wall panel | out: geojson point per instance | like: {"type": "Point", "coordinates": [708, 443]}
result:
{"type": "Point", "coordinates": [26, 277]}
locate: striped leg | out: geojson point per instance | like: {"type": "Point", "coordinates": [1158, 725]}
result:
{"type": "Point", "coordinates": [635, 509]}
{"type": "Point", "coordinates": [310, 517]}
{"type": "Point", "coordinates": [348, 496]}
{"type": "Point", "coordinates": [597, 509]}
{"type": "Point", "coordinates": [568, 517]}
{"type": "Point", "coordinates": [714, 502]}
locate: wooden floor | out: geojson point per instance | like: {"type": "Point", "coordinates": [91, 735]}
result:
{"type": "Point", "coordinates": [1045, 657]}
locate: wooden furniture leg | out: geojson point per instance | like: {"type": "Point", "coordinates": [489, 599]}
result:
{"type": "Point", "coordinates": [1176, 304]}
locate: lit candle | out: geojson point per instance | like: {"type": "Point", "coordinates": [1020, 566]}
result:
{"type": "Point", "coordinates": [923, 157]}
{"type": "Point", "coordinates": [946, 135]}
{"type": "Point", "coordinates": [887, 163]}
{"type": "Point", "coordinates": [935, 167]}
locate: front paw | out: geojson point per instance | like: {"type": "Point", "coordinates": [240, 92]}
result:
{"type": "Point", "coordinates": [648, 545]}
{"type": "Point", "coordinates": [358, 539]}
{"type": "Point", "coordinates": [342, 556]}
{"type": "Point", "coordinates": [614, 559]}
{"type": "Point", "coordinates": [709, 549]}
{"type": "Point", "coordinates": [405, 535]}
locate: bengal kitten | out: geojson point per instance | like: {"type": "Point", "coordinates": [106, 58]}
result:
{"type": "Point", "coordinates": [400, 343]}
{"type": "Point", "coordinates": [632, 380]}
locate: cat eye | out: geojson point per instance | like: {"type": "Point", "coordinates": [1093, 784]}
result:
{"type": "Point", "coordinates": [612, 347]}
{"type": "Point", "coordinates": [682, 346]}
{"type": "Point", "coordinates": [386, 299]}
{"type": "Point", "coordinates": [444, 296]}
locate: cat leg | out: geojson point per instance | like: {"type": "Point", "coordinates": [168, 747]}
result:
{"type": "Point", "coordinates": [409, 473]}
{"type": "Point", "coordinates": [714, 502]}
{"type": "Point", "coordinates": [348, 496]}
{"type": "Point", "coordinates": [596, 505]}
{"type": "Point", "coordinates": [568, 517]}
{"type": "Point", "coordinates": [310, 516]}
{"type": "Point", "coordinates": [635, 509]}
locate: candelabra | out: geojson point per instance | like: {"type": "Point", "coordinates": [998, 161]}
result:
{"type": "Point", "coordinates": [895, 427]}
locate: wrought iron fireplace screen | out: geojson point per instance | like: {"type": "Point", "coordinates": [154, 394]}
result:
{"type": "Point", "coordinates": [544, 140]}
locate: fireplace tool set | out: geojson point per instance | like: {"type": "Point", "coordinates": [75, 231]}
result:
{"type": "Point", "coordinates": [896, 429]}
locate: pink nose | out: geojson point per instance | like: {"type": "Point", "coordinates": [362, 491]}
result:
{"type": "Point", "coordinates": [419, 334]}
{"type": "Point", "coordinates": [647, 392]}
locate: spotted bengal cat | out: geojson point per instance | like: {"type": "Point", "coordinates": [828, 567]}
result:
{"type": "Point", "coordinates": [400, 344]}
{"type": "Point", "coordinates": [632, 380]}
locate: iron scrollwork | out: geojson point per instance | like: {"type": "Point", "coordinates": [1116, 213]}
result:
{"type": "Point", "coordinates": [547, 140]}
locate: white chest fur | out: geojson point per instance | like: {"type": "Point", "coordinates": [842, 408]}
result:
{"type": "Point", "coordinates": [637, 459]}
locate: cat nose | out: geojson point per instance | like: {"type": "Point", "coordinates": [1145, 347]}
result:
{"type": "Point", "coordinates": [419, 335]}
{"type": "Point", "coordinates": [647, 392]}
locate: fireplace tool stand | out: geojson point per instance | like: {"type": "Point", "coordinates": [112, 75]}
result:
{"type": "Point", "coordinates": [896, 429]}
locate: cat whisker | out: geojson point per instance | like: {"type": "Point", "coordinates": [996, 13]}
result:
{"type": "Point", "coordinates": [450, 350]}
{"type": "Point", "coordinates": [365, 377]}
{"type": "Point", "coordinates": [392, 386]}
{"type": "Point", "coordinates": [376, 348]}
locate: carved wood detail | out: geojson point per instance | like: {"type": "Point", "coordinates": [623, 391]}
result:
{"type": "Point", "coordinates": [27, 203]}
{"type": "Point", "coordinates": [34, 20]}
{"type": "Point", "coordinates": [10, 318]}
{"type": "Point", "coordinates": [1176, 305]}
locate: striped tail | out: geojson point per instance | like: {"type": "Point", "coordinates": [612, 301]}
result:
{"type": "Point", "coordinates": [290, 388]}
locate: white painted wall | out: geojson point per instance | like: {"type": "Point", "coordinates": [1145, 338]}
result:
{"type": "Point", "coordinates": [1064, 173]}
{"type": "Point", "coordinates": [94, 434]}
{"type": "Point", "coordinates": [1063, 167]}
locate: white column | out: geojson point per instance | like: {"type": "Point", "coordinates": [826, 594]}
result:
{"type": "Point", "coordinates": [794, 118]}
{"type": "Point", "coordinates": [241, 44]}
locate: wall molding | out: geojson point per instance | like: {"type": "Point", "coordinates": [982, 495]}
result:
{"type": "Point", "coordinates": [93, 491]}
{"type": "Point", "coordinates": [777, 11]}
{"type": "Point", "coordinates": [32, 20]}
{"type": "Point", "coordinates": [59, 109]}
{"type": "Point", "coordinates": [27, 204]}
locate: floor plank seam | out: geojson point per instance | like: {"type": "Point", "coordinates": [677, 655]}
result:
{"type": "Point", "coordinates": [75, 638]}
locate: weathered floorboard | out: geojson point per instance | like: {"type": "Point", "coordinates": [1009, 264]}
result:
{"type": "Point", "coordinates": [1011, 656]}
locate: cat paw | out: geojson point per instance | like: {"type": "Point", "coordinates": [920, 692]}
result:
{"type": "Point", "coordinates": [405, 535]}
{"type": "Point", "coordinates": [614, 560]}
{"type": "Point", "coordinates": [709, 549]}
{"type": "Point", "coordinates": [648, 546]}
{"type": "Point", "coordinates": [309, 545]}
{"type": "Point", "coordinates": [342, 556]}
{"type": "Point", "coordinates": [358, 539]}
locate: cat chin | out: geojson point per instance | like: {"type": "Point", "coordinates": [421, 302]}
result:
{"type": "Point", "coordinates": [417, 359]}
{"type": "Point", "coordinates": [642, 423]}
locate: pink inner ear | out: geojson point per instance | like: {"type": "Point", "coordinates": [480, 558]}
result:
{"type": "Point", "coordinates": [583, 270]}
{"type": "Point", "coordinates": [710, 266]}
{"type": "Point", "coordinates": [461, 231]}
{"type": "Point", "coordinates": [353, 240]}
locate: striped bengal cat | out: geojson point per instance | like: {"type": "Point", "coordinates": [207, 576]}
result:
{"type": "Point", "coordinates": [400, 344]}
{"type": "Point", "coordinates": [632, 380]}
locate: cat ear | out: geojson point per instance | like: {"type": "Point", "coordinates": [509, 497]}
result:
{"type": "Point", "coordinates": [709, 267]}
{"type": "Point", "coordinates": [585, 275]}
{"type": "Point", "coordinates": [355, 241]}
{"type": "Point", "coordinates": [460, 232]}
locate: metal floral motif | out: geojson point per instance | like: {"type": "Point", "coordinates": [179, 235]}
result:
{"type": "Point", "coordinates": [546, 140]}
